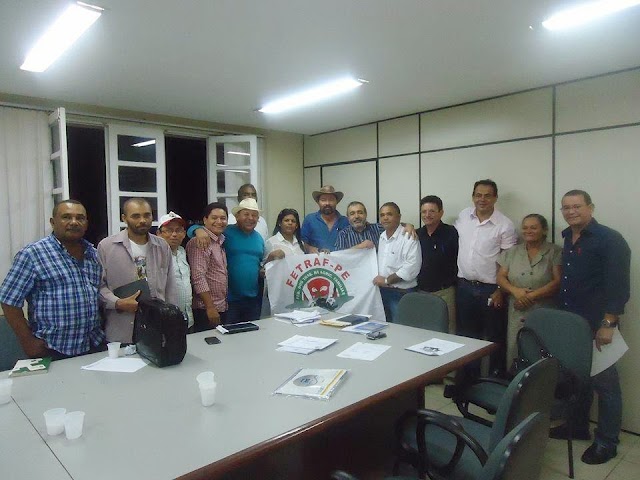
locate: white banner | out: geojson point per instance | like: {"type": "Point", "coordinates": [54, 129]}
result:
{"type": "Point", "coordinates": [340, 281]}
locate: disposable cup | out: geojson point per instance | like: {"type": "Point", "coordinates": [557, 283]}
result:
{"type": "Point", "coordinates": [208, 394]}
{"type": "Point", "coordinates": [5, 390]}
{"type": "Point", "coordinates": [207, 385]}
{"type": "Point", "coordinates": [73, 422]}
{"type": "Point", "coordinates": [54, 420]}
{"type": "Point", "coordinates": [114, 349]}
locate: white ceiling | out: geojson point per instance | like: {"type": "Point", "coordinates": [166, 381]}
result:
{"type": "Point", "coordinates": [218, 60]}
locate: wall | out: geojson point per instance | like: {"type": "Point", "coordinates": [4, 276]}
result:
{"type": "Point", "coordinates": [536, 145]}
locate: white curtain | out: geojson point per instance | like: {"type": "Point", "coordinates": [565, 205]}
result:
{"type": "Point", "coordinates": [25, 180]}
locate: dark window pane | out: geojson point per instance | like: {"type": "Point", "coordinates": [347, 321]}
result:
{"type": "Point", "coordinates": [134, 179]}
{"type": "Point", "coordinates": [129, 153]}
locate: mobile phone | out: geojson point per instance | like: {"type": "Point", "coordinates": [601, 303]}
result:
{"type": "Point", "coordinates": [376, 335]}
{"type": "Point", "coordinates": [212, 340]}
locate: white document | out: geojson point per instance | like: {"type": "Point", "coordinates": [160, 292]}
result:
{"type": "Point", "coordinates": [308, 343]}
{"type": "Point", "coordinates": [312, 383]}
{"type": "Point", "coordinates": [299, 316]}
{"type": "Point", "coordinates": [364, 351]}
{"type": "Point", "coordinates": [125, 365]}
{"type": "Point", "coordinates": [609, 355]}
{"type": "Point", "coordinates": [435, 347]}
{"type": "Point", "coordinates": [301, 351]}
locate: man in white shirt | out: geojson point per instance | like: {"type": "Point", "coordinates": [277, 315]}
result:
{"type": "Point", "coordinates": [483, 232]}
{"type": "Point", "coordinates": [249, 191]}
{"type": "Point", "coordinates": [399, 261]}
{"type": "Point", "coordinates": [172, 229]}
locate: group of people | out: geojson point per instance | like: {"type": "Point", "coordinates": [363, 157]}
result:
{"type": "Point", "coordinates": [476, 266]}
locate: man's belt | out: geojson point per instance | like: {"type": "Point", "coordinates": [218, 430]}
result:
{"type": "Point", "coordinates": [476, 283]}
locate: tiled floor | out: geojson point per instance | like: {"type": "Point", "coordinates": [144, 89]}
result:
{"type": "Point", "coordinates": [626, 466]}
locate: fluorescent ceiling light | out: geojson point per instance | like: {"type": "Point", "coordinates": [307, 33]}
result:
{"type": "Point", "coordinates": [60, 36]}
{"type": "Point", "coordinates": [240, 153]}
{"type": "Point", "coordinates": [312, 95]}
{"type": "Point", "coordinates": [587, 12]}
{"type": "Point", "coordinates": [144, 144]}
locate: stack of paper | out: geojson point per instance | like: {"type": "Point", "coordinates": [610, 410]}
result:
{"type": "Point", "coordinates": [299, 317]}
{"type": "Point", "coordinates": [304, 345]}
{"type": "Point", "coordinates": [312, 383]}
{"type": "Point", "coordinates": [435, 347]}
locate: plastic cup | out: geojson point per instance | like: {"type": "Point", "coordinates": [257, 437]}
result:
{"type": "Point", "coordinates": [114, 349]}
{"type": "Point", "coordinates": [5, 390]}
{"type": "Point", "coordinates": [54, 420]}
{"type": "Point", "coordinates": [73, 422]}
{"type": "Point", "coordinates": [207, 385]}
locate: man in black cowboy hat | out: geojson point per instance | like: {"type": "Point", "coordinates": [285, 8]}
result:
{"type": "Point", "coordinates": [320, 229]}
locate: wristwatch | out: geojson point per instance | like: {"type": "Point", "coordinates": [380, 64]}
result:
{"type": "Point", "coordinates": [608, 324]}
{"type": "Point", "coordinates": [386, 281]}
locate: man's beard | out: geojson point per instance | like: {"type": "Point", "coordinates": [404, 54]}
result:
{"type": "Point", "coordinates": [328, 210]}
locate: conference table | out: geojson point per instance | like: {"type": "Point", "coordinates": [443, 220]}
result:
{"type": "Point", "coordinates": [151, 424]}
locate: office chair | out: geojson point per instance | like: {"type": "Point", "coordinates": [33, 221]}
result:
{"type": "Point", "coordinates": [10, 349]}
{"type": "Point", "coordinates": [518, 456]}
{"type": "Point", "coordinates": [444, 446]}
{"type": "Point", "coordinates": [566, 336]}
{"type": "Point", "coordinates": [423, 310]}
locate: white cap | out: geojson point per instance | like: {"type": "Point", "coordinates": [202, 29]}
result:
{"type": "Point", "coordinates": [169, 217]}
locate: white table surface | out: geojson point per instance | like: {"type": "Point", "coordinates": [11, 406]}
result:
{"type": "Point", "coordinates": [150, 424]}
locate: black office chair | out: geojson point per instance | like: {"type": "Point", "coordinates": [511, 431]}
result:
{"type": "Point", "coordinates": [518, 456]}
{"type": "Point", "coordinates": [423, 310]}
{"type": "Point", "coordinates": [10, 349]}
{"type": "Point", "coordinates": [568, 338]}
{"type": "Point", "coordinates": [444, 446]}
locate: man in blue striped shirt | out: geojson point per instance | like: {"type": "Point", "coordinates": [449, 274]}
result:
{"type": "Point", "coordinates": [359, 233]}
{"type": "Point", "coordinates": [59, 277]}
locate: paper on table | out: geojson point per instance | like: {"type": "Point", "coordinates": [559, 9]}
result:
{"type": "Point", "coordinates": [302, 351]}
{"type": "Point", "coordinates": [610, 354]}
{"type": "Point", "coordinates": [311, 343]}
{"type": "Point", "coordinates": [125, 365]}
{"type": "Point", "coordinates": [435, 347]}
{"type": "Point", "coordinates": [364, 351]}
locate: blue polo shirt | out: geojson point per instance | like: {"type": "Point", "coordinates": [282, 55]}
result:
{"type": "Point", "coordinates": [244, 254]}
{"type": "Point", "coordinates": [595, 273]}
{"type": "Point", "coordinates": [315, 232]}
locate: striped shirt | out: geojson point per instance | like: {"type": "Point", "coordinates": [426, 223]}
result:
{"type": "Point", "coordinates": [183, 283]}
{"type": "Point", "coordinates": [349, 238]}
{"type": "Point", "coordinates": [209, 271]}
{"type": "Point", "coordinates": [61, 292]}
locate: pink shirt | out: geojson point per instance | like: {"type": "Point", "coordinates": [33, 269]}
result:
{"type": "Point", "coordinates": [481, 243]}
{"type": "Point", "coordinates": [209, 271]}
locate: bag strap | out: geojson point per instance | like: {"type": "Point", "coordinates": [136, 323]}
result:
{"type": "Point", "coordinates": [537, 342]}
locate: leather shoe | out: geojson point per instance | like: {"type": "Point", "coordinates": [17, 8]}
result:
{"type": "Point", "coordinates": [561, 432]}
{"type": "Point", "coordinates": [597, 454]}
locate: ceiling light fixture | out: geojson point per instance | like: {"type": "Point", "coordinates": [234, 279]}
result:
{"type": "Point", "coordinates": [60, 36]}
{"type": "Point", "coordinates": [312, 95]}
{"type": "Point", "coordinates": [144, 144]}
{"type": "Point", "coordinates": [587, 12]}
{"type": "Point", "coordinates": [239, 153]}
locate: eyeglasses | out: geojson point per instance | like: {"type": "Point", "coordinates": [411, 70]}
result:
{"type": "Point", "coordinates": [568, 208]}
{"type": "Point", "coordinates": [169, 231]}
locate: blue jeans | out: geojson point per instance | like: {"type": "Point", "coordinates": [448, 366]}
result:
{"type": "Point", "coordinates": [607, 385]}
{"type": "Point", "coordinates": [245, 309]}
{"type": "Point", "coordinates": [390, 299]}
{"type": "Point", "coordinates": [476, 319]}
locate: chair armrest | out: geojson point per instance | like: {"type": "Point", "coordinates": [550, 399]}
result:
{"type": "Point", "coordinates": [425, 417]}
{"type": "Point", "coordinates": [497, 381]}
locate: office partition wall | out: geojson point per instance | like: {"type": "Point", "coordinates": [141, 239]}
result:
{"type": "Point", "coordinates": [535, 144]}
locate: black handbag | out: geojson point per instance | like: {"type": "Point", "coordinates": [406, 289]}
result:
{"type": "Point", "coordinates": [530, 350]}
{"type": "Point", "coordinates": [160, 332]}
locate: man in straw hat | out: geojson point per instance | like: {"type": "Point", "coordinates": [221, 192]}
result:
{"type": "Point", "coordinates": [245, 248]}
{"type": "Point", "coordinates": [320, 229]}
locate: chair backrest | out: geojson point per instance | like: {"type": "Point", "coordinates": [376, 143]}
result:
{"type": "Point", "coordinates": [567, 336]}
{"type": "Point", "coordinates": [423, 310]}
{"type": "Point", "coordinates": [530, 391]}
{"type": "Point", "coordinates": [10, 349]}
{"type": "Point", "coordinates": [519, 454]}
